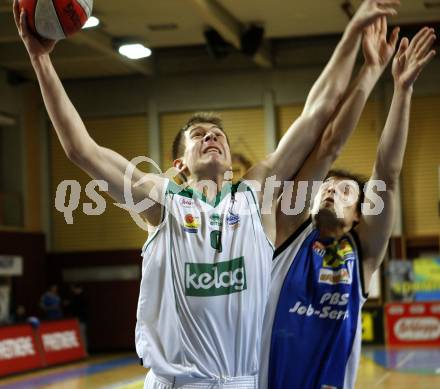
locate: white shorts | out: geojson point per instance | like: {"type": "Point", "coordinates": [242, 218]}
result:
{"type": "Point", "coordinates": [152, 381]}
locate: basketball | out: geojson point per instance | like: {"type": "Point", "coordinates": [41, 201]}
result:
{"type": "Point", "coordinates": [56, 19]}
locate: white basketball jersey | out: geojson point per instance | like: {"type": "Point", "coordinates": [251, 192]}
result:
{"type": "Point", "coordinates": [205, 283]}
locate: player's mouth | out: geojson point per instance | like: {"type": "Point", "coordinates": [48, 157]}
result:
{"type": "Point", "coordinates": [212, 149]}
{"type": "Point", "coordinates": [329, 200]}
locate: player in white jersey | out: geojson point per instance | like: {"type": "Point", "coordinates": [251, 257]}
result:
{"type": "Point", "coordinates": [322, 267]}
{"type": "Point", "coordinates": [206, 265]}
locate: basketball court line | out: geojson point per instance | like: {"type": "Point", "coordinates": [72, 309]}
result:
{"type": "Point", "coordinates": [421, 361]}
{"type": "Point", "coordinates": [382, 379]}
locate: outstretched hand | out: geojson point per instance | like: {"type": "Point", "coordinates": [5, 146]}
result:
{"type": "Point", "coordinates": [377, 50]}
{"type": "Point", "coordinates": [372, 10]}
{"type": "Point", "coordinates": [35, 45]}
{"type": "Point", "coordinates": [411, 58]}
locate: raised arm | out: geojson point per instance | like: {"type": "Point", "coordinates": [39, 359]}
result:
{"type": "Point", "coordinates": [323, 98]}
{"type": "Point", "coordinates": [375, 229]}
{"type": "Point", "coordinates": [377, 54]}
{"type": "Point", "coordinates": [99, 162]}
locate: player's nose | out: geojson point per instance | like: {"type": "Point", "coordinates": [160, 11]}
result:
{"type": "Point", "coordinates": [210, 136]}
{"type": "Point", "coordinates": [331, 189]}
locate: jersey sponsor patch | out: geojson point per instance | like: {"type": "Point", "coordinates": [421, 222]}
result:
{"type": "Point", "coordinates": [185, 202]}
{"type": "Point", "coordinates": [233, 220]}
{"type": "Point", "coordinates": [333, 277]}
{"type": "Point", "coordinates": [337, 260]}
{"type": "Point", "coordinates": [191, 223]}
{"type": "Point", "coordinates": [215, 220]}
{"type": "Point", "coordinates": [331, 306]}
{"type": "Point", "coordinates": [337, 254]}
{"type": "Point", "coordinates": [215, 279]}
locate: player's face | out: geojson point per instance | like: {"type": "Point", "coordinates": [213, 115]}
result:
{"type": "Point", "coordinates": [340, 196]}
{"type": "Point", "coordinates": [207, 150]}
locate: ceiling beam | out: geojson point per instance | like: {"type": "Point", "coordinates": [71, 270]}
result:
{"type": "Point", "coordinates": [103, 43]}
{"type": "Point", "coordinates": [229, 27]}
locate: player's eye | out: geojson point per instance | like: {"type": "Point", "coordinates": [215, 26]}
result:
{"type": "Point", "coordinates": [196, 135]}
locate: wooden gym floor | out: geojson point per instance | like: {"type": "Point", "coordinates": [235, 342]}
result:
{"type": "Point", "coordinates": [379, 369]}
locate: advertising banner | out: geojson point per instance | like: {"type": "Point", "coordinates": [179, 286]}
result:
{"type": "Point", "coordinates": [11, 265]}
{"type": "Point", "coordinates": [18, 350]}
{"type": "Point", "coordinates": [417, 280]}
{"type": "Point", "coordinates": [413, 324]}
{"type": "Point", "coordinates": [61, 341]}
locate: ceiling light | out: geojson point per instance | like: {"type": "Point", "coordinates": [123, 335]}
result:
{"type": "Point", "coordinates": [134, 51]}
{"type": "Point", "coordinates": [91, 22]}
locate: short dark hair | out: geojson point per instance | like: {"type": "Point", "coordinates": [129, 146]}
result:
{"type": "Point", "coordinates": [358, 178]}
{"type": "Point", "coordinates": [199, 117]}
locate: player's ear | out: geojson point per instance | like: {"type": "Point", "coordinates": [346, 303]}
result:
{"type": "Point", "coordinates": [182, 169]}
{"type": "Point", "coordinates": [179, 164]}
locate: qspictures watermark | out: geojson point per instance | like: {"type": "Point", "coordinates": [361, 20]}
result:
{"type": "Point", "coordinates": [293, 197]}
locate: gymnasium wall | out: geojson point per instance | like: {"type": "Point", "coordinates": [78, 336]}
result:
{"type": "Point", "coordinates": [119, 114]}
{"type": "Point", "coordinates": [113, 229]}
{"type": "Point", "coordinates": [359, 152]}
{"type": "Point", "coordinates": [10, 96]}
{"type": "Point", "coordinates": [111, 303]}
{"type": "Point", "coordinates": [421, 172]}
{"type": "Point", "coordinates": [27, 289]}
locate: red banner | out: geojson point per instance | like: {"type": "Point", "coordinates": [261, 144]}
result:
{"type": "Point", "coordinates": [413, 324]}
{"type": "Point", "coordinates": [18, 349]}
{"type": "Point", "coordinates": [61, 341]}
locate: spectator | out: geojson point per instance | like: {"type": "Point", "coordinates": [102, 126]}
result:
{"type": "Point", "coordinates": [19, 315]}
{"type": "Point", "coordinates": [50, 303]}
{"type": "Point", "coordinates": [77, 307]}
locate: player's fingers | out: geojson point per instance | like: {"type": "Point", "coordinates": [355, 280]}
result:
{"type": "Point", "coordinates": [388, 3]}
{"type": "Point", "coordinates": [425, 46]}
{"type": "Point", "coordinates": [402, 49]}
{"type": "Point", "coordinates": [428, 58]}
{"type": "Point", "coordinates": [368, 31]}
{"type": "Point", "coordinates": [416, 38]}
{"type": "Point", "coordinates": [422, 38]}
{"type": "Point", "coordinates": [385, 11]}
{"type": "Point", "coordinates": [376, 26]}
{"type": "Point", "coordinates": [383, 28]}
{"type": "Point", "coordinates": [403, 46]}
{"type": "Point", "coordinates": [394, 37]}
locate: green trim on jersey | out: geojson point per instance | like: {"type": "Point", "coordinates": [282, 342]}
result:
{"type": "Point", "coordinates": [192, 193]}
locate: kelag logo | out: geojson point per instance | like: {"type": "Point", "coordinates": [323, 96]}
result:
{"type": "Point", "coordinates": [217, 279]}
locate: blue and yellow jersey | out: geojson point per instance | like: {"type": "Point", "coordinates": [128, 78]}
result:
{"type": "Point", "coordinates": [312, 330]}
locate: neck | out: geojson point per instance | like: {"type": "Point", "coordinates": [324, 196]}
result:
{"type": "Point", "coordinates": [332, 233]}
{"type": "Point", "coordinates": [329, 225]}
{"type": "Point", "coordinates": [209, 186]}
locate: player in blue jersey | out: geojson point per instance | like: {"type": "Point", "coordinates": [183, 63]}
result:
{"type": "Point", "coordinates": [325, 258]}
